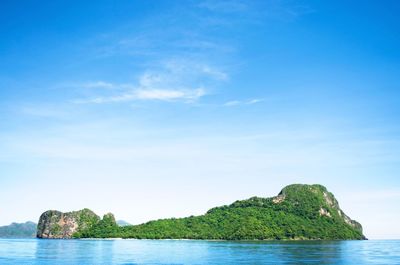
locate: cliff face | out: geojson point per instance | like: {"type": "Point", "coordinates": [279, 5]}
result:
{"type": "Point", "coordinates": [55, 224]}
{"type": "Point", "coordinates": [328, 205]}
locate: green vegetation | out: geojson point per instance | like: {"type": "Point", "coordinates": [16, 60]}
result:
{"type": "Point", "coordinates": [55, 229]}
{"type": "Point", "coordinates": [105, 228]}
{"type": "Point", "coordinates": [298, 212]}
{"type": "Point", "coordinates": [18, 230]}
{"type": "Point", "coordinates": [86, 219]}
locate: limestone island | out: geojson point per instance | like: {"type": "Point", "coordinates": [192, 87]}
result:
{"type": "Point", "coordinates": [298, 212]}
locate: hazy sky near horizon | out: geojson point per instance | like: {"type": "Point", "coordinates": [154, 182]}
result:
{"type": "Point", "coordinates": [155, 109]}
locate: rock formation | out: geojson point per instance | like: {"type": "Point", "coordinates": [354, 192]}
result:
{"type": "Point", "coordinates": [55, 224]}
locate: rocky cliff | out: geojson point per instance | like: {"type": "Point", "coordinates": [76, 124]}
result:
{"type": "Point", "coordinates": [329, 206]}
{"type": "Point", "coordinates": [56, 224]}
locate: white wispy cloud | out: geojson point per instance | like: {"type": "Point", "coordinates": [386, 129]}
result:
{"type": "Point", "coordinates": [176, 80]}
{"type": "Point", "coordinates": [233, 103]}
{"type": "Point", "coordinates": [170, 94]}
{"type": "Point", "coordinates": [214, 73]}
{"type": "Point", "coordinates": [149, 94]}
{"type": "Point", "coordinates": [98, 84]}
{"type": "Point", "coordinates": [195, 52]}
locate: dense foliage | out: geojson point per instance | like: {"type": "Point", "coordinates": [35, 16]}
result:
{"type": "Point", "coordinates": [298, 212]}
{"type": "Point", "coordinates": [105, 228]}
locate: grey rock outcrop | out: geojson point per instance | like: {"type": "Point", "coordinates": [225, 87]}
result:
{"type": "Point", "coordinates": [56, 224]}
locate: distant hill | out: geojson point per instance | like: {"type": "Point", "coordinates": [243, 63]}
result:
{"type": "Point", "coordinates": [298, 212]}
{"type": "Point", "coordinates": [18, 230]}
{"type": "Point", "coordinates": [122, 223]}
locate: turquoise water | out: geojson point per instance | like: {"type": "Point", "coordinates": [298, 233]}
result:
{"type": "Point", "coordinates": [36, 251]}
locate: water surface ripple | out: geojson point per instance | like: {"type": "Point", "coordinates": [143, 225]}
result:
{"type": "Point", "coordinates": [36, 251]}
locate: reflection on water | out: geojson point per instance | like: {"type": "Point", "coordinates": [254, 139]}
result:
{"type": "Point", "coordinates": [78, 251]}
{"type": "Point", "coordinates": [35, 251]}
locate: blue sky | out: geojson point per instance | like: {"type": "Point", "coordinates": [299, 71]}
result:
{"type": "Point", "coordinates": [153, 109]}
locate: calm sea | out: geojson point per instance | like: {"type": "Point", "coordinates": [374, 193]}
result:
{"type": "Point", "coordinates": [59, 252]}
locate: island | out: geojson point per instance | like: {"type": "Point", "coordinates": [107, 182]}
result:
{"type": "Point", "coordinates": [298, 212]}
{"type": "Point", "coordinates": [18, 230]}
